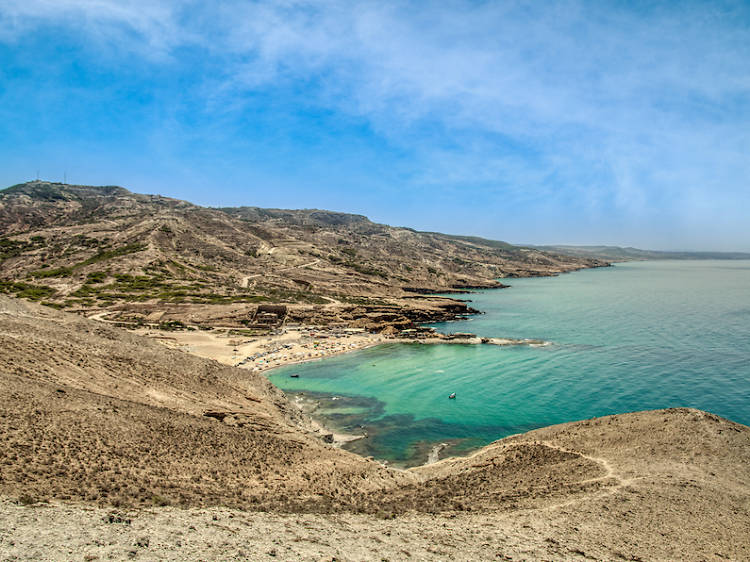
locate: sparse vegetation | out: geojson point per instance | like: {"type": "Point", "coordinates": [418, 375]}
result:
{"type": "Point", "coordinates": [96, 277]}
{"type": "Point", "coordinates": [364, 301]}
{"type": "Point", "coordinates": [110, 254]}
{"type": "Point", "coordinates": [205, 265]}
{"type": "Point", "coordinates": [26, 290]}
{"type": "Point", "coordinates": [67, 271]}
{"type": "Point", "coordinates": [282, 295]}
{"type": "Point", "coordinates": [10, 248]}
{"type": "Point", "coordinates": [366, 269]}
{"type": "Point", "coordinates": [57, 272]}
{"type": "Point", "coordinates": [87, 242]}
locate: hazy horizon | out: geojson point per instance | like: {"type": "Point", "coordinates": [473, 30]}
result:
{"type": "Point", "coordinates": [562, 123]}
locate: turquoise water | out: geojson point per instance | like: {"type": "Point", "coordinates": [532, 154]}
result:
{"type": "Point", "coordinates": [636, 336]}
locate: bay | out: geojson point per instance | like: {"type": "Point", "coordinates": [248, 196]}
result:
{"type": "Point", "coordinates": [636, 336]}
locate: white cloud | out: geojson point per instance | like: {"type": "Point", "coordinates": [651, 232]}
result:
{"type": "Point", "coordinates": [146, 27]}
{"type": "Point", "coordinates": [631, 105]}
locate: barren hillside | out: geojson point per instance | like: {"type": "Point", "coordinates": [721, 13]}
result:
{"type": "Point", "coordinates": [91, 415]}
{"type": "Point", "coordinates": [149, 257]}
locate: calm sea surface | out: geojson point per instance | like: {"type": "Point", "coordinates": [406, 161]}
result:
{"type": "Point", "coordinates": [636, 336]}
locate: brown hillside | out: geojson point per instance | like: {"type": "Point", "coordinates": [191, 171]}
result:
{"type": "Point", "coordinates": [104, 248]}
{"type": "Point", "coordinates": [92, 415]}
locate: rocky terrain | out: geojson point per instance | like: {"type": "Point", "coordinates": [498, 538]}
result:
{"type": "Point", "coordinates": [114, 447]}
{"type": "Point", "coordinates": [147, 258]}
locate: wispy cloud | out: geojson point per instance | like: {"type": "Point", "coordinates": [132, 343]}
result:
{"type": "Point", "coordinates": [616, 107]}
{"type": "Point", "coordinates": [148, 28]}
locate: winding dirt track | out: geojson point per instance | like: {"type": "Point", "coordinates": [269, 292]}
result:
{"type": "Point", "coordinates": [245, 280]}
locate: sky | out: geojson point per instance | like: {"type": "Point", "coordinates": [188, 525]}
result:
{"type": "Point", "coordinates": [571, 122]}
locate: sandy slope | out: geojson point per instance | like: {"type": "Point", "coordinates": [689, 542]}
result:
{"type": "Point", "coordinates": [98, 427]}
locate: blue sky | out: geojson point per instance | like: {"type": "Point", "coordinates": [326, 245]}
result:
{"type": "Point", "coordinates": [533, 122]}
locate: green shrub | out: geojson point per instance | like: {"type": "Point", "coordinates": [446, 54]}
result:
{"type": "Point", "coordinates": [109, 254]}
{"type": "Point", "coordinates": [206, 267]}
{"type": "Point", "coordinates": [10, 248]}
{"type": "Point", "coordinates": [26, 499]}
{"type": "Point", "coordinates": [84, 291]}
{"type": "Point", "coordinates": [172, 325]}
{"type": "Point", "coordinates": [159, 501]}
{"type": "Point", "coordinates": [366, 269]}
{"type": "Point", "coordinates": [26, 290]}
{"type": "Point", "coordinates": [58, 272]}
{"type": "Point", "coordinates": [96, 277]}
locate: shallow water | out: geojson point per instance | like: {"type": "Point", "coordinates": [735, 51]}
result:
{"type": "Point", "coordinates": [637, 336]}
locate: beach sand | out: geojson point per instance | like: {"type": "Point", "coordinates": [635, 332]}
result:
{"type": "Point", "coordinates": [293, 345]}
{"type": "Point", "coordinates": [260, 353]}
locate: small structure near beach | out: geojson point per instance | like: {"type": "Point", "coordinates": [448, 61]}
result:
{"type": "Point", "coordinates": [268, 316]}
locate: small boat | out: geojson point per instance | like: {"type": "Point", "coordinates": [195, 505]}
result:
{"type": "Point", "coordinates": [294, 376]}
{"type": "Point", "coordinates": [452, 396]}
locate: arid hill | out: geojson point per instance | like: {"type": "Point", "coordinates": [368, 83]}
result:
{"type": "Point", "coordinates": [97, 424]}
{"type": "Point", "coordinates": [152, 258]}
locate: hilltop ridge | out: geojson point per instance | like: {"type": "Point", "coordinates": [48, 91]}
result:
{"type": "Point", "coordinates": [87, 249]}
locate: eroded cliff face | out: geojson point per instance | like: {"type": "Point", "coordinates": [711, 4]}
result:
{"type": "Point", "coordinates": [103, 248]}
{"type": "Point", "coordinates": [92, 415]}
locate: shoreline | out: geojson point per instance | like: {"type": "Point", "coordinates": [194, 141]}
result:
{"type": "Point", "coordinates": [302, 345]}
{"type": "Point", "coordinates": [298, 345]}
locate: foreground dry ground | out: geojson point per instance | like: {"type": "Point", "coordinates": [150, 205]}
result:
{"type": "Point", "coordinates": [105, 453]}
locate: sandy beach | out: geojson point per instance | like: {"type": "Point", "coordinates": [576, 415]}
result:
{"type": "Point", "coordinates": [295, 344]}
{"type": "Point", "coordinates": [260, 353]}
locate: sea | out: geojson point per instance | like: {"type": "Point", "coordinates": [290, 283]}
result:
{"type": "Point", "coordinates": [634, 336]}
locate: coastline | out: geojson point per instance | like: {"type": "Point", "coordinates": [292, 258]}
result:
{"type": "Point", "coordinates": [302, 345]}
{"type": "Point", "coordinates": [263, 353]}
{"type": "Point", "coordinates": [294, 345]}
{"type": "Point", "coordinates": [297, 345]}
